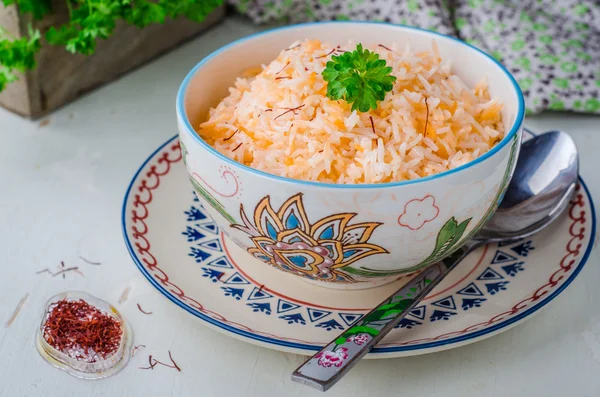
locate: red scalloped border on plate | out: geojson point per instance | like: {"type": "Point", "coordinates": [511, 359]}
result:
{"type": "Point", "coordinates": [139, 229]}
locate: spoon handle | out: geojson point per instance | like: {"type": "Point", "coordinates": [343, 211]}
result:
{"type": "Point", "coordinates": [329, 365]}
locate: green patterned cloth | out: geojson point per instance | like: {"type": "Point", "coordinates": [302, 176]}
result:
{"type": "Point", "coordinates": [552, 47]}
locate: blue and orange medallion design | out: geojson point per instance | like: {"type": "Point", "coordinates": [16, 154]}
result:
{"type": "Point", "coordinates": [287, 240]}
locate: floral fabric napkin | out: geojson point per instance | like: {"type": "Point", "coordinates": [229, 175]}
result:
{"type": "Point", "coordinates": [552, 47]}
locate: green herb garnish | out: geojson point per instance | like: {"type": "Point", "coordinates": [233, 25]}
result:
{"type": "Point", "coordinates": [359, 77]}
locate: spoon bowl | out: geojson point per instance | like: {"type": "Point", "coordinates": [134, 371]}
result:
{"type": "Point", "coordinates": [543, 183]}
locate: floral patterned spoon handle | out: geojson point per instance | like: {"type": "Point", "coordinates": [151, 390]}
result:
{"type": "Point", "coordinates": [325, 368]}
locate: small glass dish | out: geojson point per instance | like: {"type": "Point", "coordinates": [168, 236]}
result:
{"type": "Point", "coordinates": [99, 369]}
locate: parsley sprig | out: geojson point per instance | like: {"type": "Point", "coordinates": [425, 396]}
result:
{"type": "Point", "coordinates": [359, 77]}
{"type": "Point", "coordinates": [89, 21]}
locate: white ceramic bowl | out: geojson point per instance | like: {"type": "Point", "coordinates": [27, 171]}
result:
{"type": "Point", "coordinates": [345, 236]}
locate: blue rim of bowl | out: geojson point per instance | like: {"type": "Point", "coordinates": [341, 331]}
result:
{"type": "Point", "coordinates": [190, 130]}
{"type": "Point", "coordinates": [376, 350]}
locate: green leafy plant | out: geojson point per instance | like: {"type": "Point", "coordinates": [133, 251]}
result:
{"type": "Point", "coordinates": [359, 77]}
{"type": "Point", "coordinates": [38, 8]}
{"type": "Point", "coordinates": [16, 55]}
{"type": "Point", "coordinates": [89, 20]}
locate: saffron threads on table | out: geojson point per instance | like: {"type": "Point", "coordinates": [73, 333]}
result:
{"type": "Point", "coordinates": [154, 362]}
{"type": "Point", "coordinates": [61, 270]}
{"type": "Point", "coordinates": [81, 331]}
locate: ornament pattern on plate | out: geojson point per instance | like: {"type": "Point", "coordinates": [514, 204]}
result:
{"type": "Point", "coordinates": [137, 222]}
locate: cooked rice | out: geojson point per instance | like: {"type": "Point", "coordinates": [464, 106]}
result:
{"type": "Point", "coordinates": [278, 119]}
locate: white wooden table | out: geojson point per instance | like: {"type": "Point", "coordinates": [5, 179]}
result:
{"type": "Point", "coordinates": [61, 190]}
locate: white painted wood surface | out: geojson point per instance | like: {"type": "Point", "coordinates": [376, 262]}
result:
{"type": "Point", "coordinates": [61, 190]}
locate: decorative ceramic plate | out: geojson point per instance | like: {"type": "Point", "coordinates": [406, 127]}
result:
{"type": "Point", "coordinates": [182, 252]}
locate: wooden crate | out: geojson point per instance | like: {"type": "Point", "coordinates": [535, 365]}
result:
{"type": "Point", "coordinates": [61, 77]}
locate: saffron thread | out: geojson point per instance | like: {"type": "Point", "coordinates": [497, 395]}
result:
{"type": "Point", "coordinates": [136, 348]}
{"type": "Point", "coordinates": [381, 45]}
{"type": "Point", "coordinates": [326, 55]}
{"type": "Point", "coordinates": [426, 117]}
{"type": "Point", "coordinates": [89, 261]}
{"type": "Point", "coordinates": [237, 147]}
{"type": "Point", "coordinates": [285, 66]}
{"type": "Point", "coordinates": [152, 365]}
{"type": "Point", "coordinates": [289, 110]}
{"type": "Point", "coordinates": [372, 125]}
{"type": "Point", "coordinates": [15, 313]}
{"type": "Point", "coordinates": [142, 310]}
{"type": "Point", "coordinates": [231, 136]}
{"type": "Point", "coordinates": [161, 363]}
{"type": "Point", "coordinates": [62, 271]}
{"type": "Point", "coordinates": [173, 361]}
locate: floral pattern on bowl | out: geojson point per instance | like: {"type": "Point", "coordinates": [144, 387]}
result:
{"type": "Point", "coordinates": [288, 241]}
{"type": "Point", "coordinates": [417, 212]}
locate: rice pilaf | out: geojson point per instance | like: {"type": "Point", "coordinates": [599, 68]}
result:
{"type": "Point", "coordinates": [278, 119]}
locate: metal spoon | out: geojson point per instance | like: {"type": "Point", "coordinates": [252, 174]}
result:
{"type": "Point", "coordinates": [540, 190]}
